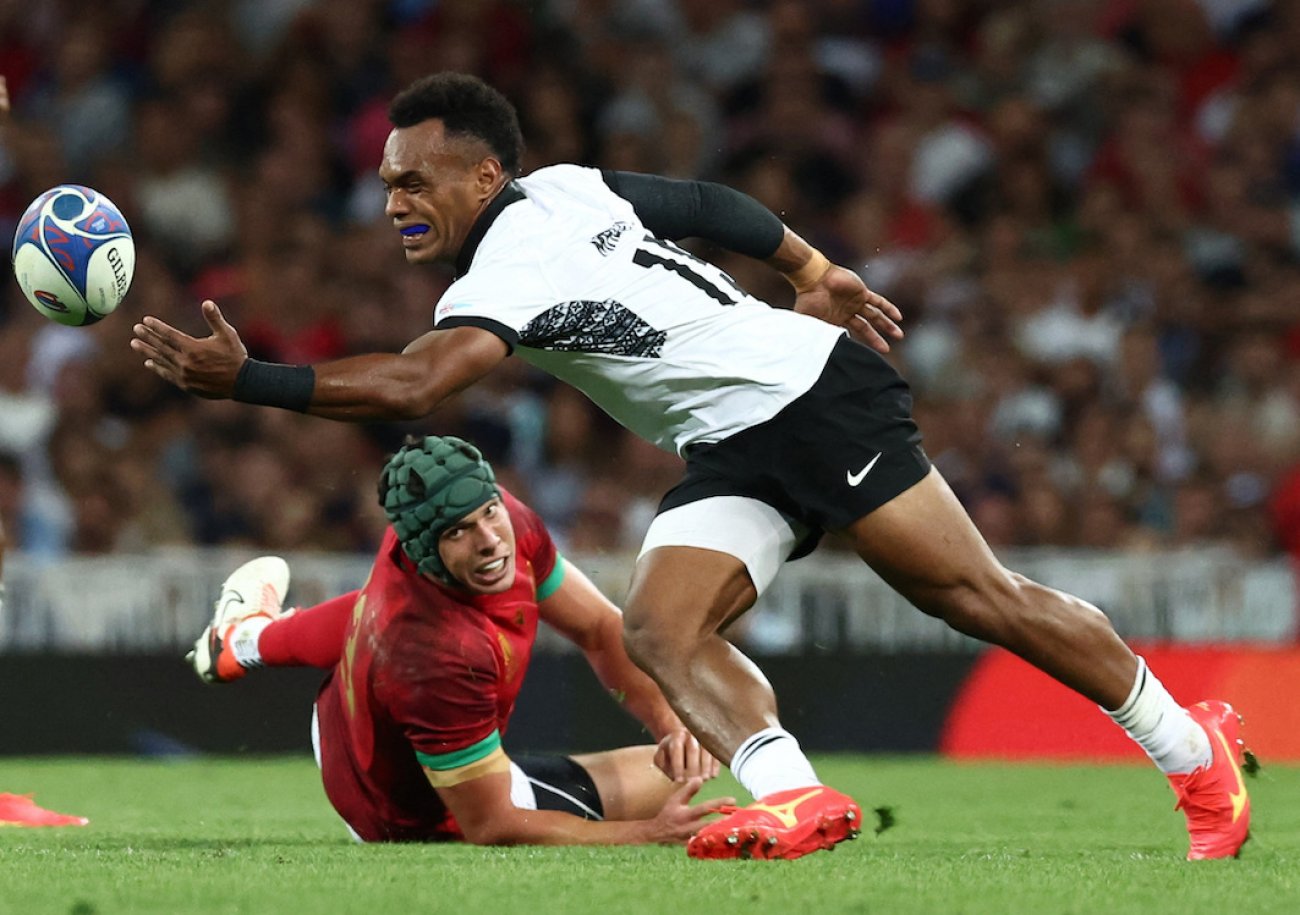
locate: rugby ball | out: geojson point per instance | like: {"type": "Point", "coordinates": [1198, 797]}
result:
{"type": "Point", "coordinates": [73, 255]}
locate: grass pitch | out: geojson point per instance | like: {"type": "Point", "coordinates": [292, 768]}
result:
{"type": "Point", "coordinates": [233, 835]}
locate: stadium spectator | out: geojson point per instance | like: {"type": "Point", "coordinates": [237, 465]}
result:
{"type": "Point", "coordinates": [1030, 78]}
{"type": "Point", "coordinates": [181, 203]}
{"type": "Point", "coordinates": [426, 660]}
{"type": "Point", "coordinates": [1047, 84]}
{"type": "Point", "coordinates": [577, 269]}
{"type": "Point", "coordinates": [89, 105]}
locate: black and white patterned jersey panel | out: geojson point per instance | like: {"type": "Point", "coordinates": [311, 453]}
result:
{"type": "Point", "coordinates": [593, 327]}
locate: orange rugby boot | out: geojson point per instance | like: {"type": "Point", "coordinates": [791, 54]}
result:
{"type": "Point", "coordinates": [1213, 797]}
{"type": "Point", "coordinates": [787, 824]}
{"type": "Point", "coordinates": [21, 810]}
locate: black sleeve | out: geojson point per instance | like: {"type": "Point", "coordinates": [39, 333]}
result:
{"type": "Point", "coordinates": [674, 209]}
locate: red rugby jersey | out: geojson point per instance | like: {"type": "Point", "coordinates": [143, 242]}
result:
{"type": "Point", "coordinates": [429, 672]}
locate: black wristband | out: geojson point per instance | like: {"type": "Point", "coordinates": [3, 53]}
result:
{"type": "Point", "coordinates": [273, 384]}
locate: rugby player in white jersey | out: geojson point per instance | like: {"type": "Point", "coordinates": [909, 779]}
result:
{"type": "Point", "coordinates": [790, 423]}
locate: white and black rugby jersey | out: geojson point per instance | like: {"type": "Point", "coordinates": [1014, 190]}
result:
{"type": "Point", "coordinates": [562, 270]}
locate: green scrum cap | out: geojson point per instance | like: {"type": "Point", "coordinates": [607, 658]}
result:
{"type": "Point", "coordinates": [428, 486]}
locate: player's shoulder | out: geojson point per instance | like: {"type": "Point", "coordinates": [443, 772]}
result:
{"type": "Point", "coordinates": [564, 176]}
{"type": "Point", "coordinates": [408, 596]}
{"type": "Point", "coordinates": [388, 578]}
{"type": "Point", "coordinates": [528, 235]}
{"type": "Point", "coordinates": [574, 193]}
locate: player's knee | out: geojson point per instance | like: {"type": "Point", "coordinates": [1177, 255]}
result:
{"type": "Point", "coordinates": [642, 643]}
{"type": "Point", "coordinates": [653, 643]}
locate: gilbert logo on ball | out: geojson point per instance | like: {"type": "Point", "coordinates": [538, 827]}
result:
{"type": "Point", "coordinates": [73, 255]}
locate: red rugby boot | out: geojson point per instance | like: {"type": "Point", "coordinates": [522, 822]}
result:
{"type": "Point", "coordinates": [787, 824]}
{"type": "Point", "coordinates": [1213, 797]}
{"type": "Point", "coordinates": [21, 810]}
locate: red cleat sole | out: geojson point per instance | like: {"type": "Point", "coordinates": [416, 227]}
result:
{"type": "Point", "coordinates": [768, 842]}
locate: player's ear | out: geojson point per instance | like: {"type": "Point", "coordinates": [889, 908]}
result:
{"type": "Point", "coordinates": [488, 174]}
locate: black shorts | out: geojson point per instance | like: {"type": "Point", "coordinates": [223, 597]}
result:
{"type": "Point", "coordinates": [561, 784]}
{"type": "Point", "coordinates": [836, 453]}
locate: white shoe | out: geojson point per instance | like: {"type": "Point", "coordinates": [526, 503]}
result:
{"type": "Point", "coordinates": [252, 597]}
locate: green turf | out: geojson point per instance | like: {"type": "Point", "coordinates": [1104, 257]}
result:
{"type": "Point", "coordinates": [256, 835]}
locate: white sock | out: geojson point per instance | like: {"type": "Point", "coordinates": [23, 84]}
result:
{"type": "Point", "coordinates": [243, 640]}
{"type": "Point", "coordinates": [1162, 727]}
{"type": "Point", "coordinates": [771, 761]}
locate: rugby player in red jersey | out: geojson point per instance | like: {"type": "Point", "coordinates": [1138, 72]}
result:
{"type": "Point", "coordinates": [426, 661]}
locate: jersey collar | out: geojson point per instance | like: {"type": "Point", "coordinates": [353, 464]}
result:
{"type": "Point", "coordinates": [510, 193]}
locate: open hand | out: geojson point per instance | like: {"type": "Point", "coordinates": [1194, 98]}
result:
{"type": "Point", "coordinates": [841, 298]}
{"type": "Point", "coordinates": [681, 757]}
{"type": "Point", "coordinates": [206, 367]}
{"type": "Point", "coordinates": [677, 820]}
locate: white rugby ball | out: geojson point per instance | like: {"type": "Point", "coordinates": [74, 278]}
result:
{"type": "Point", "coordinates": [73, 255]}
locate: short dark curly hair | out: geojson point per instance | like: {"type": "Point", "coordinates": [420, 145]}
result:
{"type": "Point", "coordinates": [466, 106]}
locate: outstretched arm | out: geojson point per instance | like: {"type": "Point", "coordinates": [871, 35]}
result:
{"type": "Point", "coordinates": [377, 386]}
{"type": "Point", "coordinates": [676, 209]}
{"type": "Point", "coordinates": [487, 816]}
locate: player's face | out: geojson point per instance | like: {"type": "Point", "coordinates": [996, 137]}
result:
{"type": "Point", "coordinates": [436, 187]}
{"type": "Point", "coordinates": [479, 549]}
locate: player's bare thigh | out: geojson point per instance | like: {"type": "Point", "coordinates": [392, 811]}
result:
{"type": "Point", "coordinates": [630, 785]}
{"type": "Point", "coordinates": [689, 590]}
{"type": "Point", "coordinates": [923, 543]}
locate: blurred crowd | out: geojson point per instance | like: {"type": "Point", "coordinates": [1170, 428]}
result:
{"type": "Point", "coordinates": [1088, 210]}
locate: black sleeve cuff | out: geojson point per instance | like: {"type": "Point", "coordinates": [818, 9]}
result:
{"type": "Point", "coordinates": [508, 334]}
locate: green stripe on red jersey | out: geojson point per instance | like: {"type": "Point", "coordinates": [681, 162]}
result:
{"type": "Point", "coordinates": [553, 581]}
{"type": "Point", "coordinates": [459, 758]}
